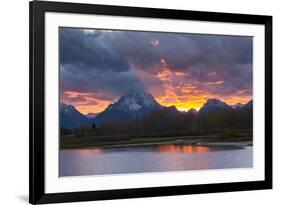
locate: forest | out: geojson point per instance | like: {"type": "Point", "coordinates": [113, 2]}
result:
{"type": "Point", "coordinates": [164, 123]}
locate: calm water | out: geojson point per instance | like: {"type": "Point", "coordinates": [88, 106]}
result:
{"type": "Point", "coordinates": [151, 159]}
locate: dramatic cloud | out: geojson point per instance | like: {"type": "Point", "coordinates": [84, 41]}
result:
{"type": "Point", "coordinates": [178, 69]}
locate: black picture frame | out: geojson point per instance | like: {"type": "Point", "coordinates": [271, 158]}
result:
{"type": "Point", "coordinates": [37, 9]}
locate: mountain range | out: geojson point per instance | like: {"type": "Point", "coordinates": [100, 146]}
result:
{"type": "Point", "coordinates": [132, 106]}
{"type": "Point", "coordinates": [71, 118]}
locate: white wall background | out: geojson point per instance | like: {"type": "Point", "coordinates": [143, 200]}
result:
{"type": "Point", "coordinates": [14, 100]}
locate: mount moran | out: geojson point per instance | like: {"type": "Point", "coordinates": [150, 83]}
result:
{"type": "Point", "coordinates": [132, 106]}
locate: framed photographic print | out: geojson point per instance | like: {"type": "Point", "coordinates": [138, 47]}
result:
{"type": "Point", "coordinates": [140, 102]}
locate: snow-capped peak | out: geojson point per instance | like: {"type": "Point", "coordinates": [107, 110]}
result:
{"type": "Point", "coordinates": [136, 101]}
{"type": "Point", "coordinates": [130, 106]}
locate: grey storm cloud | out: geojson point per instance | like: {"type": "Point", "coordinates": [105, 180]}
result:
{"type": "Point", "coordinates": [99, 59]}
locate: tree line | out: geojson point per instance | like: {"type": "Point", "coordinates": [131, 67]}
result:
{"type": "Point", "coordinates": [164, 123]}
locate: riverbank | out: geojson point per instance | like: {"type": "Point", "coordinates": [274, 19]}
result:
{"type": "Point", "coordinates": [241, 140]}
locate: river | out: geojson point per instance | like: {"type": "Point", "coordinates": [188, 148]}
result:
{"type": "Point", "coordinates": [154, 158]}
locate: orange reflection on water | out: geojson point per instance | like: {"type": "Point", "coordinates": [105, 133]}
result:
{"type": "Point", "coordinates": [90, 152]}
{"type": "Point", "coordinates": [183, 148]}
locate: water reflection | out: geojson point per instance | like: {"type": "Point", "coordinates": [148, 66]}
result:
{"type": "Point", "coordinates": [167, 148]}
{"type": "Point", "coordinates": [157, 158]}
{"type": "Point", "coordinates": [183, 148]}
{"type": "Point", "coordinates": [90, 152]}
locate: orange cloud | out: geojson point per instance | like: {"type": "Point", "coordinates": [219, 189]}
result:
{"type": "Point", "coordinates": [175, 82]}
{"type": "Point", "coordinates": [85, 102]}
{"type": "Point", "coordinates": [185, 94]}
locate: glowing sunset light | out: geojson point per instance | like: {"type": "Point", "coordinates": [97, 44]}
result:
{"type": "Point", "coordinates": [184, 105]}
{"type": "Point", "coordinates": [84, 102]}
{"type": "Point", "coordinates": [85, 109]}
{"type": "Point", "coordinates": [232, 100]}
{"type": "Point", "coordinates": [184, 93]}
{"type": "Point", "coordinates": [181, 70]}
{"type": "Point", "coordinates": [156, 89]}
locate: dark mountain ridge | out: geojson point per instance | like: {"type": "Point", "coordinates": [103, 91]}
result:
{"type": "Point", "coordinates": [71, 118]}
{"type": "Point", "coordinates": [141, 104]}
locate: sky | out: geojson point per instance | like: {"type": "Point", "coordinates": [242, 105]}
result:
{"type": "Point", "coordinates": [184, 70]}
